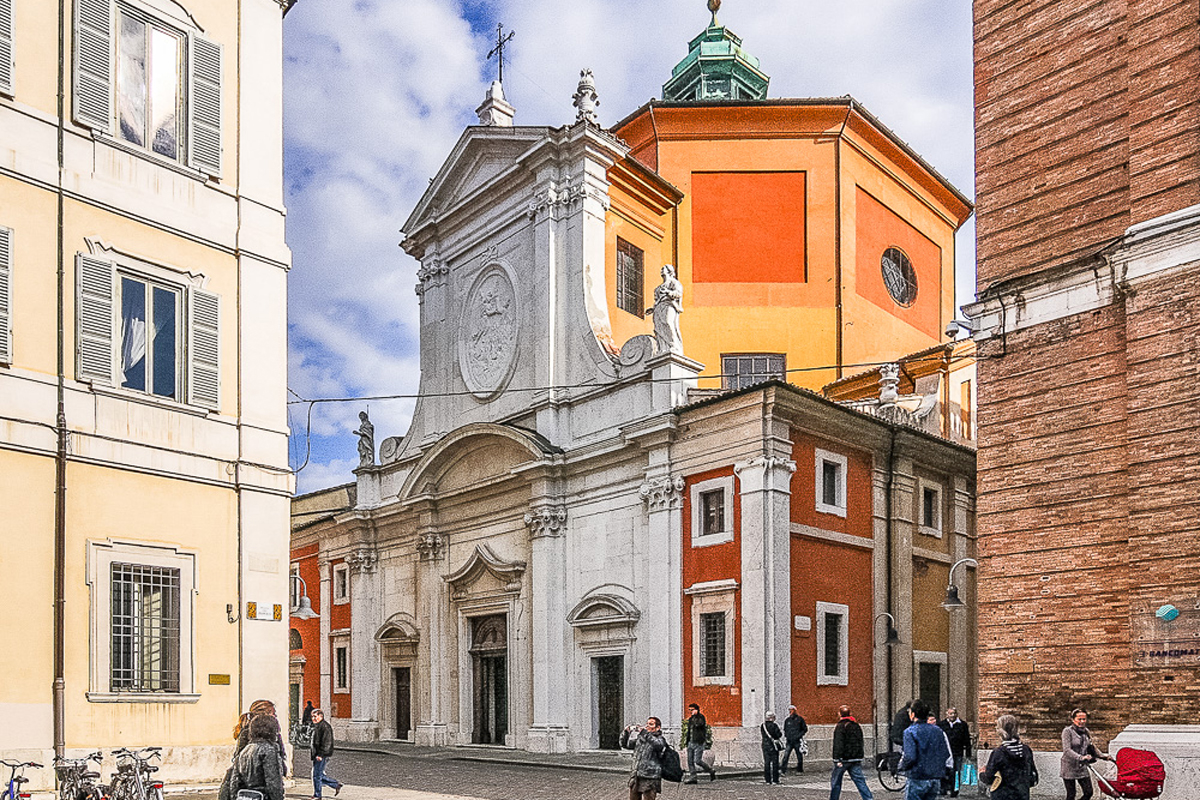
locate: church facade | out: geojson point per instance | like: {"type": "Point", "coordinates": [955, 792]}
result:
{"type": "Point", "coordinates": [573, 534]}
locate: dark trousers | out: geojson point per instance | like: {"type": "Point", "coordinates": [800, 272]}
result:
{"type": "Point", "coordinates": [792, 747]}
{"type": "Point", "coordinates": [1085, 784]}
{"type": "Point", "coordinates": [322, 778]}
{"type": "Point", "coordinates": [770, 764]}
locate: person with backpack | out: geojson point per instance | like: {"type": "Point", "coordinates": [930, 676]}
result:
{"type": "Point", "coordinates": [647, 744]}
{"type": "Point", "coordinates": [1011, 763]}
{"type": "Point", "coordinates": [695, 738]}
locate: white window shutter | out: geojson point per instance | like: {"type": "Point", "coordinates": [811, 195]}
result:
{"type": "Point", "coordinates": [205, 106]}
{"type": "Point", "coordinates": [95, 317]}
{"type": "Point", "coordinates": [6, 47]}
{"type": "Point", "coordinates": [6, 259]}
{"type": "Point", "coordinates": [92, 65]}
{"type": "Point", "coordinates": [204, 349]}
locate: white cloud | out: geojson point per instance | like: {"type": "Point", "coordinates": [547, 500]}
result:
{"type": "Point", "coordinates": [378, 91]}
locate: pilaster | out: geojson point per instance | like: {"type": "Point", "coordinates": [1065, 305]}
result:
{"type": "Point", "coordinates": [432, 707]}
{"type": "Point", "coordinates": [364, 650]}
{"type": "Point", "coordinates": [660, 627]}
{"type": "Point", "coordinates": [325, 570]}
{"type": "Point", "coordinates": [547, 524]}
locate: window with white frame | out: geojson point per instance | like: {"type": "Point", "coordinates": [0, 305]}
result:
{"type": "Point", "coordinates": [739, 370]}
{"type": "Point", "coordinates": [341, 668]}
{"type": "Point", "coordinates": [833, 644]}
{"type": "Point", "coordinates": [930, 509]}
{"type": "Point", "coordinates": [294, 587]}
{"type": "Point", "coordinates": [144, 73]}
{"type": "Point", "coordinates": [141, 620]}
{"type": "Point", "coordinates": [341, 583]}
{"type": "Point", "coordinates": [713, 622]}
{"type": "Point", "coordinates": [148, 329]}
{"type": "Point", "coordinates": [6, 261]}
{"type": "Point", "coordinates": [7, 63]}
{"type": "Point", "coordinates": [830, 483]}
{"type": "Point", "coordinates": [711, 506]}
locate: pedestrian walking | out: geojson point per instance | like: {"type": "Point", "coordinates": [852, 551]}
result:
{"type": "Point", "coordinates": [695, 738]}
{"type": "Point", "coordinates": [322, 750]}
{"type": "Point", "coordinates": [645, 781]}
{"type": "Point", "coordinates": [959, 734]}
{"type": "Point", "coordinates": [772, 743]}
{"type": "Point", "coordinates": [1078, 752]}
{"type": "Point", "coordinates": [900, 723]}
{"type": "Point", "coordinates": [306, 716]}
{"type": "Point", "coordinates": [794, 730]}
{"type": "Point", "coordinates": [925, 754]}
{"type": "Point", "coordinates": [256, 767]}
{"type": "Point", "coordinates": [847, 756]}
{"type": "Point", "coordinates": [948, 774]}
{"type": "Point", "coordinates": [1011, 762]}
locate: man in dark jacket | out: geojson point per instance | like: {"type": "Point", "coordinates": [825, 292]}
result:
{"type": "Point", "coordinates": [695, 738]}
{"type": "Point", "coordinates": [645, 781]}
{"type": "Point", "coordinates": [794, 729]}
{"type": "Point", "coordinates": [322, 749]}
{"type": "Point", "coordinates": [925, 755]}
{"type": "Point", "coordinates": [848, 756]}
{"type": "Point", "coordinates": [900, 723]}
{"type": "Point", "coordinates": [959, 735]}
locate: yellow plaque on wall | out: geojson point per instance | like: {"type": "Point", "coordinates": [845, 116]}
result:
{"type": "Point", "coordinates": [218, 680]}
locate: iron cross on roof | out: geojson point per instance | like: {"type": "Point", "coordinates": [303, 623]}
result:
{"type": "Point", "coordinates": [498, 50]}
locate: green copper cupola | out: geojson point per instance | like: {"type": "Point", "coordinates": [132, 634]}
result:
{"type": "Point", "coordinates": [716, 68]}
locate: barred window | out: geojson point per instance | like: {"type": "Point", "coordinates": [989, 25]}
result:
{"type": "Point", "coordinates": [712, 505]}
{"type": "Point", "coordinates": [145, 629]}
{"type": "Point", "coordinates": [712, 645]}
{"type": "Point", "coordinates": [739, 370]}
{"type": "Point", "coordinates": [630, 278]}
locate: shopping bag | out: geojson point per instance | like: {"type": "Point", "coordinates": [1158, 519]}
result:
{"type": "Point", "coordinates": [803, 748]}
{"type": "Point", "coordinates": [969, 774]}
{"type": "Point", "coordinates": [708, 759]}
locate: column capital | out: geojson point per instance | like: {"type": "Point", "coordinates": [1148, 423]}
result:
{"type": "Point", "coordinates": [663, 493]}
{"type": "Point", "coordinates": [765, 472]}
{"type": "Point", "coordinates": [362, 560]}
{"type": "Point", "coordinates": [431, 545]}
{"type": "Point", "coordinates": [546, 520]}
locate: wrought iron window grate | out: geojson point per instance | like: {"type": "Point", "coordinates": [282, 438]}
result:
{"type": "Point", "coordinates": [145, 628]}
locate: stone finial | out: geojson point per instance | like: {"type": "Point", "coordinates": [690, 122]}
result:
{"type": "Point", "coordinates": [585, 98]}
{"type": "Point", "coordinates": [889, 380]}
{"type": "Point", "coordinates": [714, 6]}
{"type": "Point", "coordinates": [495, 111]}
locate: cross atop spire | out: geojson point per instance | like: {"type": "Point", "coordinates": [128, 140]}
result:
{"type": "Point", "coordinates": [498, 50]}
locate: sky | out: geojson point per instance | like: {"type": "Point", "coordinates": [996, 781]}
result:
{"type": "Point", "coordinates": [377, 92]}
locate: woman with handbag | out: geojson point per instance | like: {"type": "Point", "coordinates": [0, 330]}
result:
{"type": "Point", "coordinates": [772, 744]}
{"type": "Point", "coordinates": [256, 774]}
{"type": "Point", "coordinates": [1010, 769]}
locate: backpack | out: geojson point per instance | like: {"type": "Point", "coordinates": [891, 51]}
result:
{"type": "Point", "coordinates": [672, 767]}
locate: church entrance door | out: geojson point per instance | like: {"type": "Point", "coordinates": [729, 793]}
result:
{"type": "Point", "coordinates": [610, 700]}
{"type": "Point", "coordinates": [489, 657]}
{"type": "Point", "coordinates": [403, 701]}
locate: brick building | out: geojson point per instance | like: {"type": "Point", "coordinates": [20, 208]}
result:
{"type": "Point", "coordinates": [1088, 157]}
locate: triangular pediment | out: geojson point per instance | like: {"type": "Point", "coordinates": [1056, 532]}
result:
{"type": "Point", "coordinates": [482, 155]}
{"type": "Point", "coordinates": [483, 565]}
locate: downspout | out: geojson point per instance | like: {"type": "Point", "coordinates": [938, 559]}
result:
{"type": "Point", "coordinates": [837, 238]}
{"type": "Point", "coordinates": [58, 691]}
{"type": "Point", "coordinates": [891, 471]}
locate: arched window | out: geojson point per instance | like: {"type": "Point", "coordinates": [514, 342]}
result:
{"type": "Point", "coordinates": [294, 640]}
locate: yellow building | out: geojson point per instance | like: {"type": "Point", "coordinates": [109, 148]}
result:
{"type": "Point", "coordinates": [143, 448]}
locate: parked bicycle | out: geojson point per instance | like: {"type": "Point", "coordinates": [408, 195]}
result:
{"type": "Point", "coordinates": [888, 767]}
{"type": "Point", "coordinates": [16, 779]}
{"type": "Point", "coordinates": [132, 779]}
{"type": "Point", "coordinates": [75, 780]}
{"type": "Point", "coordinates": [301, 735]}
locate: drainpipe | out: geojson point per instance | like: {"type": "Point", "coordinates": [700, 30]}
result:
{"type": "Point", "coordinates": [60, 456]}
{"type": "Point", "coordinates": [891, 470]}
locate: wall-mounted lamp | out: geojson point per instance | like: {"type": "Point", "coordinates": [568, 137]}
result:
{"type": "Point", "coordinates": [893, 637]}
{"type": "Point", "coordinates": [304, 609]}
{"type": "Point", "coordinates": [229, 615]}
{"type": "Point", "coordinates": [952, 602]}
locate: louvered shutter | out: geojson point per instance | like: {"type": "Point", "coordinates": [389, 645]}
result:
{"type": "Point", "coordinates": [6, 47]}
{"type": "Point", "coordinates": [95, 318]}
{"type": "Point", "coordinates": [92, 78]}
{"type": "Point", "coordinates": [204, 349]}
{"type": "Point", "coordinates": [6, 260]}
{"type": "Point", "coordinates": [205, 107]}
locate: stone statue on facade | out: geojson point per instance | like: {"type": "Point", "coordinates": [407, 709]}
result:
{"type": "Point", "coordinates": [668, 305]}
{"type": "Point", "coordinates": [366, 441]}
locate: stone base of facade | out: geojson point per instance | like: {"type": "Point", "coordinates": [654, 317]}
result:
{"type": "Point", "coordinates": [431, 735]}
{"type": "Point", "coordinates": [549, 739]}
{"type": "Point", "coordinates": [361, 731]}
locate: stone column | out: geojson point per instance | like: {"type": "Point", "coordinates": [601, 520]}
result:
{"type": "Point", "coordinates": [325, 570]}
{"type": "Point", "coordinates": [904, 487]}
{"type": "Point", "coordinates": [547, 523]}
{"type": "Point", "coordinates": [432, 706]}
{"type": "Point", "coordinates": [364, 650]}
{"type": "Point", "coordinates": [766, 597]}
{"type": "Point", "coordinates": [659, 630]}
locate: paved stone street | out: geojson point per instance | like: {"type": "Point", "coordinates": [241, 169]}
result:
{"type": "Point", "coordinates": [387, 772]}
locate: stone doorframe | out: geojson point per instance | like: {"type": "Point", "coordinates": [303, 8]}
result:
{"type": "Point", "coordinates": [398, 639]}
{"type": "Point", "coordinates": [604, 622]}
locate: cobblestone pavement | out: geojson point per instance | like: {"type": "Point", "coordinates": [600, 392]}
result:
{"type": "Point", "coordinates": [389, 772]}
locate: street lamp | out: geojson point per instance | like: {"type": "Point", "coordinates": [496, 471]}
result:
{"type": "Point", "coordinates": [304, 609]}
{"type": "Point", "coordinates": [952, 602]}
{"type": "Point", "coordinates": [893, 637]}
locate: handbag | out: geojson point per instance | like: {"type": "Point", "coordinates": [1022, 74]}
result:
{"type": "Point", "coordinates": [802, 749]}
{"type": "Point", "coordinates": [708, 759]}
{"type": "Point", "coordinates": [969, 774]}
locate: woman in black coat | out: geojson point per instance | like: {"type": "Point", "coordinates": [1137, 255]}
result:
{"type": "Point", "coordinates": [772, 743]}
{"type": "Point", "coordinates": [1011, 762]}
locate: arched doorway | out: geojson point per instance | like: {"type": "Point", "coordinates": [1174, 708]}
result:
{"type": "Point", "coordinates": [489, 659]}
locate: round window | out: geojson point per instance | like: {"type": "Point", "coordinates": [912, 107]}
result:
{"type": "Point", "coordinates": [899, 276]}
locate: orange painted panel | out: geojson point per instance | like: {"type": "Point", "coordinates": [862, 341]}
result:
{"type": "Point", "coordinates": [722, 705]}
{"type": "Point", "coordinates": [748, 227]}
{"type": "Point", "coordinates": [877, 228]}
{"type": "Point", "coordinates": [309, 629]}
{"type": "Point", "coordinates": [859, 519]}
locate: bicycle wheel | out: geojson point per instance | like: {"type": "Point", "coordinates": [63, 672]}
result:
{"type": "Point", "coordinates": [890, 776]}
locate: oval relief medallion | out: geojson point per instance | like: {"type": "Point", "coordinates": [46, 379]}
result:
{"type": "Point", "coordinates": [487, 337]}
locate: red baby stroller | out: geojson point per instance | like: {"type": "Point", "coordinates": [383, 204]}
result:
{"type": "Point", "coordinates": [1140, 776]}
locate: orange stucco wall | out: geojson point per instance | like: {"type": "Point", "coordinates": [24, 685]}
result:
{"type": "Point", "coordinates": [858, 520]}
{"type": "Point", "coordinates": [309, 629]}
{"type": "Point", "coordinates": [630, 219]}
{"type": "Point", "coordinates": [745, 215]}
{"type": "Point", "coordinates": [722, 704]}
